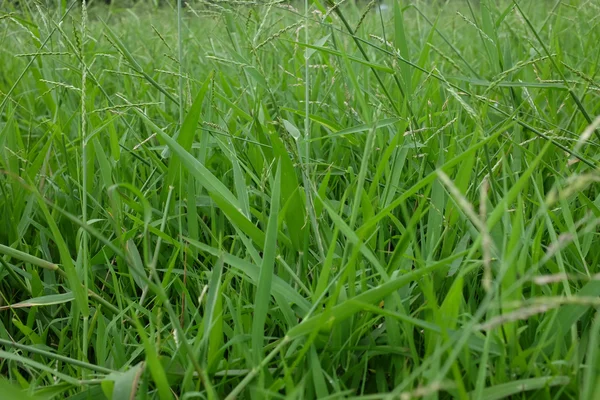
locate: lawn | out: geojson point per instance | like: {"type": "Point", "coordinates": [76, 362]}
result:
{"type": "Point", "coordinates": [264, 200]}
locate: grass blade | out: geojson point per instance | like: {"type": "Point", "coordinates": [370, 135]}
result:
{"type": "Point", "coordinates": [264, 288]}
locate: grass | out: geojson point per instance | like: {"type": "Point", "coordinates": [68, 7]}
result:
{"type": "Point", "coordinates": [261, 200]}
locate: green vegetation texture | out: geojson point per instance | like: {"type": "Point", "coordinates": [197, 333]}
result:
{"type": "Point", "coordinates": [264, 200]}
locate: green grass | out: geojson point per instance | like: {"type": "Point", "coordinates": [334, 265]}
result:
{"type": "Point", "coordinates": [265, 201]}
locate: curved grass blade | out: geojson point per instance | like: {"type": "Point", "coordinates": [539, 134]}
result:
{"type": "Point", "coordinates": [48, 300]}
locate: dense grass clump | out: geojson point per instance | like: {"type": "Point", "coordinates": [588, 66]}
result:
{"type": "Point", "coordinates": [286, 200]}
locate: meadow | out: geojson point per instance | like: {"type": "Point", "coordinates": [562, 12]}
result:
{"type": "Point", "coordinates": [264, 200]}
